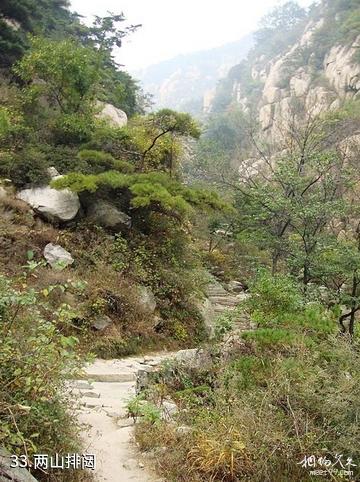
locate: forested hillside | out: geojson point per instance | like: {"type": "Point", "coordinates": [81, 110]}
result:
{"type": "Point", "coordinates": [231, 247]}
{"type": "Point", "coordinates": [108, 268]}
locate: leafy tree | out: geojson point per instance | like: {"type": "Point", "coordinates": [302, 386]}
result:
{"type": "Point", "coordinates": [63, 71]}
{"type": "Point", "coordinates": [171, 124]}
{"type": "Point", "coordinates": [117, 86]}
{"type": "Point", "coordinates": [278, 28]}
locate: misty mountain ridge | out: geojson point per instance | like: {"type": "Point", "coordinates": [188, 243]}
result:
{"type": "Point", "coordinates": [188, 81]}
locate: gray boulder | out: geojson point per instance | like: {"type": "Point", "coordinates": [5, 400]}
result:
{"type": "Point", "coordinates": [114, 116]}
{"type": "Point", "coordinates": [208, 314]}
{"type": "Point", "coordinates": [15, 474]}
{"type": "Point", "coordinates": [51, 204]}
{"type": "Point", "coordinates": [101, 322]}
{"type": "Point", "coordinates": [235, 286]}
{"type": "Point", "coordinates": [194, 358]}
{"type": "Point", "coordinates": [57, 257]}
{"type": "Point", "coordinates": [146, 299]}
{"type": "Point", "coordinates": [108, 216]}
{"type": "Point", "coordinates": [168, 410]}
{"type": "Point", "coordinates": [3, 193]}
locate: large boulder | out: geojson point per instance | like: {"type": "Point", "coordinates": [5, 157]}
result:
{"type": "Point", "coordinates": [3, 192]}
{"type": "Point", "coordinates": [235, 286]}
{"type": "Point", "coordinates": [146, 299]}
{"type": "Point", "coordinates": [101, 322]}
{"type": "Point", "coordinates": [57, 256]}
{"type": "Point", "coordinates": [114, 116]}
{"type": "Point", "coordinates": [53, 205]}
{"type": "Point", "coordinates": [108, 216]}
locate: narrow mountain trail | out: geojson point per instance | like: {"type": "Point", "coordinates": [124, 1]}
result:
{"type": "Point", "coordinates": [104, 392]}
{"type": "Point", "coordinates": [106, 388]}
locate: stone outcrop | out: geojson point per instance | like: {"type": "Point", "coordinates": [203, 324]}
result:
{"type": "Point", "coordinates": [57, 257]}
{"type": "Point", "coordinates": [341, 71]}
{"type": "Point", "coordinates": [146, 299]}
{"type": "Point", "coordinates": [101, 322]}
{"type": "Point", "coordinates": [114, 116]}
{"type": "Point", "coordinates": [291, 76]}
{"type": "Point", "coordinates": [108, 216]}
{"type": "Point", "coordinates": [51, 204]}
{"type": "Point", "coordinates": [15, 474]}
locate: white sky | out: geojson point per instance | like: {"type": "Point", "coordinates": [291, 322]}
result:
{"type": "Point", "coordinates": [172, 27]}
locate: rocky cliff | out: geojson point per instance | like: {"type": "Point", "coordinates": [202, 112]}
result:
{"type": "Point", "coordinates": [321, 68]}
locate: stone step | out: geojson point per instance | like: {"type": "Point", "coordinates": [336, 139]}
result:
{"type": "Point", "coordinates": [108, 377]}
{"type": "Point", "coordinates": [217, 292]}
{"type": "Point", "coordinates": [223, 309]}
{"type": "Point", "coordinates": [112, 399]}
{"type": "Point", "coordinates": [225, 300]}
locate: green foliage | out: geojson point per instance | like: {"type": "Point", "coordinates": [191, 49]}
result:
{"type": "Point", "coordinates": [47, 17]}
{"type": "Point", "coordinates": [28, 166]}
{"type": "Point", "coordinates": [272, 296]}
{"type": "Point", "coordinates": [138, 407]}
{"type": "Point", "coordinates": [64, 72]}
{"type": "Point", "coordinates": [280, 28]}
{"type": "Point", "coordinates": [293, 386]}
{"type": "Point", "coordinates": [95, 162]}
{"type": "Point", "coordinates": [340, 26]}
{"type": "Point", "coordinates": [154, 190]}
{"type": "Point", "coordinates": [167, 120]}
{"type": "Point", "coordinates": [36, 360]}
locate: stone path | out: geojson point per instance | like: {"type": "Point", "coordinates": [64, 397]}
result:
{"type": "Point", "coordinates": [219, 301]}
{"type": "Point", "coordinates": [104, 392]}
{"type": "Point", "coordinates": [108, 385]}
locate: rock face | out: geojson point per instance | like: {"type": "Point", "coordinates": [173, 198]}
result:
{"type": "Point", "coordinates": [108, 216]}
{"type": "Point", "coordinates": [51, 204]}
{"type": "Point", "coordinates": [115, 117]}
{"type": "Point", "coordinates": [146, 299]}
{"type": "Point", "coordinates": [3, 193]}
{"type": "Point", "coordinates": [57, 256]}
{"type": "Point", "coordinates": [298, 74]}
{"type": "Point", "coordinates": [101, 322]}
{"type": "Point", "coordinates": [16, 474]}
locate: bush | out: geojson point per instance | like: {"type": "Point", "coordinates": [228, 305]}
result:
{"type": "Point", "coordinates": [291, 392]}
{"type": "Point", "coordinates": [27, 166]}
{"type": "Point", "coordinates": [36, 359]}
{"type": "Point", "coordinates": [273, 296]}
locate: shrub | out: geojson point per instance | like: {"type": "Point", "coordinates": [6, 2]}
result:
{"type": "Point", "coordinates": [36, 359]}
{"type": "Point", "coordinates": [27, 166]}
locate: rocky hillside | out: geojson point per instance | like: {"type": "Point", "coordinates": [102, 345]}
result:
{"type": "Point", "coordinates": [187, 82]}
{"type": "Point", "coordinates": [319, 66]}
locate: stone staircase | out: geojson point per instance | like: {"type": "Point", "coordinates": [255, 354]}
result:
{"type": "Point", "coordinates": [221, 301]}
{"type": "Point", "coordinates": [101, 395]}
{"type": "Point", "coordinates": [105, 387]}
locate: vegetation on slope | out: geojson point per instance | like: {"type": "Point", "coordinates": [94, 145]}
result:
{"type": "Point", "coordinates": [50, 117]}
{"type": "Point", "coordinates": [288, 229]}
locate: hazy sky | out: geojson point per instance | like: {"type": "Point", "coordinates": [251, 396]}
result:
{"type": "Point", "coordinates": [172, 27]}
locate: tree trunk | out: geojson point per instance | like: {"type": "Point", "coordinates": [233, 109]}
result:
{"type": "Point", "coordinates": [275, 262]}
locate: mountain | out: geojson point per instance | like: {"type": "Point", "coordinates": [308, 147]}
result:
{"type": "Point", "coordinates": [311, 58]}
{"type": "Point", "coordinates": [186, 82]}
